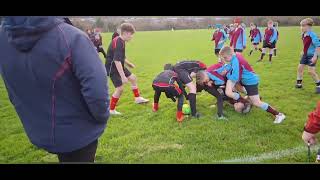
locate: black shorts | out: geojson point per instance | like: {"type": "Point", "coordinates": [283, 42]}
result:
{"type": "Point", "coordinates": [255, 43]}
{"type": "Point", "coordinates": [171, 91]}
{"type": "Point", "coordinates": [306, 60]}
{"type": "Point", "coordinates": [252, 90]}
{"type": "Point", "coordinates": [184, 76]}
{"type": "Point", "coordinates": [270, 46]}
{"type": "Point", "coordinates": [238, 50]}
{"type": "Point", "coordinates": [116, 78]}
{"type": "Point", "coordinates": [216, 51]}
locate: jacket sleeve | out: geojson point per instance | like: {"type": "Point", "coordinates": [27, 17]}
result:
{"type": "Point", "coordinates": [90, 72]}
{"type": "Point", "coordinates": [313, 123]}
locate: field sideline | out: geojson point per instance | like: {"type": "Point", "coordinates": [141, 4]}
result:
{"type": "Point", "coordinates": [141, 136]}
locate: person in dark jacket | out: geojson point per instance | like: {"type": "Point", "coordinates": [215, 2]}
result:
{"type": "Point", "coordinates": [56, 83]}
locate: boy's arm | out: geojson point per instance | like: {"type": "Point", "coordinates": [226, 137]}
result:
{"type": "Point", "coordinates": [182, 88]}
{"type": "Point", "coordinates": [244, 40]}
{"type": "Point", "coordinates": [91, 73]}
{"type": "Point", "coordinates": [316, 42]}
{"type": "Point", "coordinates": [120, 71]}
{"type": "Point", "coordinates": [233, 74]}
{"type": "Point", "coordinates": [313, 124]}
{"type": "Point", "coordinates": [130, 64]}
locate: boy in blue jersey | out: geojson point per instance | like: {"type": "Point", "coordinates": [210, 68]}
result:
{"type": "Point", "coordinates": [238, 40]}
{"type": "Point", "coordinates": [255, 36]}
{"type": "Point", "coordinates": [310, 53]}
{"type": "Point", "coordinates": [219, 37]}
{"type": "Point", "coordinates": [269, 41]}
{"type": "Point", "coordinates": [213, 80]}
{"type": "Point", "coordinates": [241, 72]}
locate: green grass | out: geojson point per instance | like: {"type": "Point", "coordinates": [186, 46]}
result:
{"type": "Point", "coordinates": [141, 136]}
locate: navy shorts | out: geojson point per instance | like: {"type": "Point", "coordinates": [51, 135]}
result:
{"type": "Point", "coordinates": [216, 51]}
{"type": "Point", "coordinates": [252, 90]}
{"type": "Point", "coordinates": [306, 60]}
{"type": "Point", "coordinates": [267, 45]}
{"type": "Point", "coordinates": [238, 50]}
{"type": "Point", "coordinates": [116, 78]}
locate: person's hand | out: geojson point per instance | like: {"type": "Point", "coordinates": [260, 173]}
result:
{"type": "Point", "coordinates": [131, 65]}
{"type": "Point", "coordinates": [224, 72]}
{"type": "Point", "coordinates": [308, 138]}
{"type": "Point", "coordinates": [124, 80]}
{"type": "Point", "coordinates": [314, 59]}
{"type": "Point", "coordinates": [210, 83]}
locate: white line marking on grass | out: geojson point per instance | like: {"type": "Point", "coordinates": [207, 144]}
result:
{"type": "Point", "coordinates": [270, 155]}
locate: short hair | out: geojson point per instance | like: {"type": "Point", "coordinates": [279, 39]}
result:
{"type": "Point", "coordinates": [127, 27]}
{"type": "Point", "coordinates": [226, 50]}
{"type": "Point", "coordinates": [200, 77]}
{"type": "Point", "coordinates": [307, 21]}
{"type": "Point", "coordinates": [168, 67]}
{"type": "Point", "coordinates": [270, 21]}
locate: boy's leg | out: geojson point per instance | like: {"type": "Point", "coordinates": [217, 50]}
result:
{"type": "Point", "coordinates": [156, 98]}
{"type": "Point", "coordinates": [179, 114]}
{"type": "Point", "coordinates": [192, 98]}
{"type": "Point", "coordinates": [187, 80]}
{"type": "Point", "coordinates": [133, 80]}
{"type": "Point", "coordinates": [256, 101]}
{"type": "Point", "coordinates": [300, 73]}
{"type": "Point", "coordinates": [270, 54]}
{"type": "Point", "coordinates": [263, 51]}
{"type": "Point", "coordinates": [315, 77]}
{"type": "Point", "coordinates": [117, 82]}
{"type": "Point", "coordinates": [236, 96]}
{"type": "Point", "coordinates": [213, 91]}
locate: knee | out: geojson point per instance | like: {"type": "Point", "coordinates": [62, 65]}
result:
{"type": "Point", "coordinates": [311, 72]}
{"type": "Point", "coordinates": [120, 89]}
{"type": "Point", "coordinates": [133, 78]}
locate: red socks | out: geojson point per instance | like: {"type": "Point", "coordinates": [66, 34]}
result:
{"type": "Point", "coordinates": [113, 103]}
{"type": "Point", "coordinates": [272, 111]}
{"type": "Point", "coordinates": [155, 107]}
{"type": "Point", "coordinates": [179, 116]}
{"type": "Point", "coordinates": [135, 91]}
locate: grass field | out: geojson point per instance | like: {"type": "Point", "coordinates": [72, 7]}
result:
{"type": "Point", "coordinates": [141, 136]}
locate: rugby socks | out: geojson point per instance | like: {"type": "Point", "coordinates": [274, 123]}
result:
{"type": "Point", "coordinates": [275, 52]}
{"type": "Point", "coordinates": [192, 100]}
{"type": "Point", "coordinates": [250, 52]}
{"type": "Point", "coordinates": [238, 98]}
{"type": "Point", "coordinates": [262, 55]}
{"type": "Point", "coordinates": [260, 49]}
{"type": "Point", "coordinates": [113, 103]}
{"type": "Point", "coordinates": [179, 116]}
{"type": "Point", "coordinates": [270, 57]}
{"type": "Point", "coordinates": [269, 109]}
{"type": "Point", "coordinates": [135, 91]}
{"type": "Point", "coordinates": [155, 107]}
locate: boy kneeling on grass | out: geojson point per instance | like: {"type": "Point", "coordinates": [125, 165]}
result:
{"type": "Point", "coordinates": [243, 73]}
{"type": "Point", "coordinates": [213, 81]}
{"type": "Point", "coordinates": [169, 83]}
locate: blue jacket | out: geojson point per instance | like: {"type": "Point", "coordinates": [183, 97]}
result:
{"type": "Point", "coordinates": [55, 80]}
